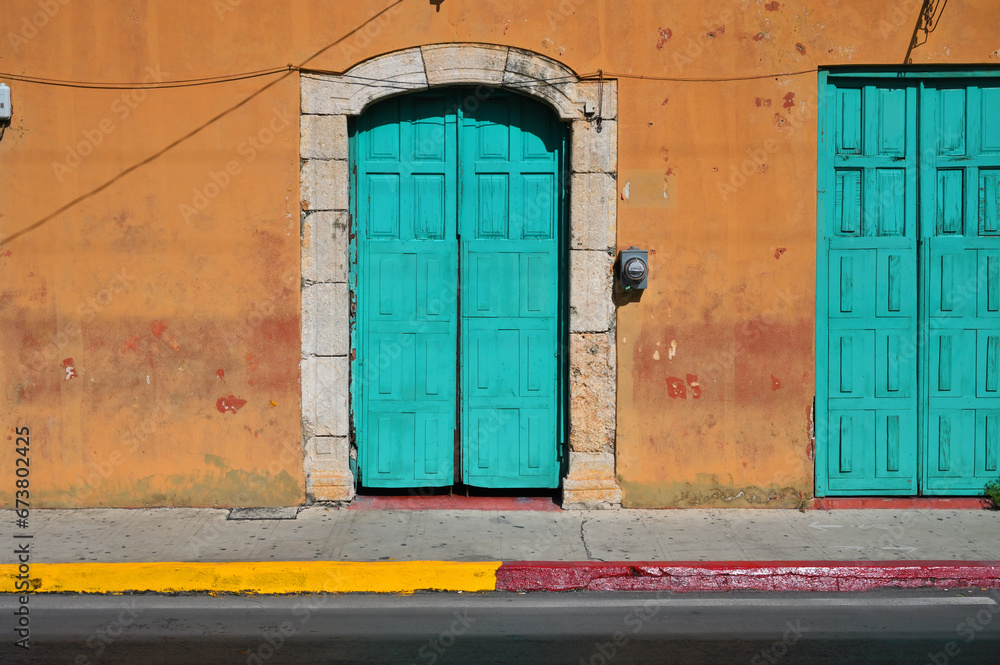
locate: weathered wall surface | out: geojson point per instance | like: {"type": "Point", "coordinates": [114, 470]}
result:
{"type": "Point", "coordinates": [149, 304]}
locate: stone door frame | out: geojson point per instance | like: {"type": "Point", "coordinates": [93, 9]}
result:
{"type": "Point", "coordinates": [591, 110]}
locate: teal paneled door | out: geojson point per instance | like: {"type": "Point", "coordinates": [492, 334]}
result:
{"type": "Point", "coordinates": [508, 223]}
{"type": "Point", "coordinates": [455, 375]}
{"type": "Point", "coordinates": [405, 281]}
{"type": "Point", "coordinates": [960, 204]}
{"type": "Point", "coordinates": [868, 313]}
{"type": "Point", "coordinates": [905, 248]}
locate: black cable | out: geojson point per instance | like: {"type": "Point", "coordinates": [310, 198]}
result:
{"type": "Point", "coordinates": [705, 80]}
{"type": "Point", "coordinates": [401, 85]}
{"type": "Point", "coordinates": [182, 83]}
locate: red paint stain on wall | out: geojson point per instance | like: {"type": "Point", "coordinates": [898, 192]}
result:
{"type": "Point", "coordinates": [800, 48]}
{"type": "Point", "coordinates": [665, 35]}
{"type": "Point", "coordinates": [252, 366]}
{"type": "Point", "coordinates": [789, 100]}
{"type": "Point", "coordinates": [130, 344]}
{"type": "Point", "coordinates": [159, 329]}
{"type": "Point", "coordinates": [677, 389]}
{"type": "Point", "coordinates": [221, 373]}
{"type": "Point", "coordinates": [665, 100]}
{"type": "Point", "coordinates": [69, 367]}
{"type": "Point", "coordinates": [775, 382]}
{"type": "Point", "coordinates": [695, 385]}
{"type": "Point", "coordinates": [721, 30]}
{"type": "Point", "coordinates": [772, 6]}
{"type": "Point", "coordinates": [759, 36]}
{"type": "Point", "coordinates": [778, 252]}
{"type": "Point", "coordinates": [761, 101]}
{"type": "Point", "coordinates": [230, 403]}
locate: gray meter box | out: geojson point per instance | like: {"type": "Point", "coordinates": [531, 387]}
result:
{"type": "Point", "coordinates": [633, 268]}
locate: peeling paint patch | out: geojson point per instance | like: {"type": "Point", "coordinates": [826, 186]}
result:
{"type": "Point", "coordinates": [664, 37]}
{"type": "Point", "coordinates": [230, 403]}
{"type": "Point", "coordinates": [800, 48]}
{"type": "Point", "coordinates": [673, 349]}
{"type": "Point", "coordinates": [677, 389]}
{"type": "Point", "coordinates": [695, 385]}
{"type": "Point", "coordinates": [625, 191]}
{"type": "Point", "coordinates": [789, 100]}
{"type": "Point", "coordinates": [69, 367]}
{"type": "Point", "coordinates": [221, 373]}
{"type": "Point", "coordinates": [656, 354]}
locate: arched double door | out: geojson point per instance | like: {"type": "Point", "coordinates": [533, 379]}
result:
{"type": "Point", "coordinates": [458, 258]}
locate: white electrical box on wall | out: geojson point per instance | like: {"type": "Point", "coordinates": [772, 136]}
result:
{"type": "Point", "coordinates": [4, 102]}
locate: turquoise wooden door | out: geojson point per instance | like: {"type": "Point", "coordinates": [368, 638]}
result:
{"type": "Point", "coordinates": [509, 228]}
{"type": "Point", "coordinates": [960, 204]}
{"type": "Point", "coordinates": [867, 320]}
{"type": "Point", "coordinates": [405, 282]}
{"type": "Point", "coordinates": [905, 337]}
{"type": "Point", "coordinates": [457, 325]}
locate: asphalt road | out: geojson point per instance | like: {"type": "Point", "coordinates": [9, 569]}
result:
{"type": "Point", "coordinates": [913, 627]}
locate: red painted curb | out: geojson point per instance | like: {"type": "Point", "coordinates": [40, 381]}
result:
{"type": "Point", "coordinates": [736, 575]}
{"type": "Point", "coordinates": [911, 503]}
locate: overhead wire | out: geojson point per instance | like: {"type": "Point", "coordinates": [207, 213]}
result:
{"type": "Point", "coordinates": [373, 82]}
{"type": "Point", "coordinates": [180, 83]}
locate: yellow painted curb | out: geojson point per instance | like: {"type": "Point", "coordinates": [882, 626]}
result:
{"type": "Point", "coordinates": [277, 577]}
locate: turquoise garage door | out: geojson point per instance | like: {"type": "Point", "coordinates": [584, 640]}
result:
{"type": "Point", "coordinates": [457, 283]}
{"type": "Point", "coordinates": [908, 291]}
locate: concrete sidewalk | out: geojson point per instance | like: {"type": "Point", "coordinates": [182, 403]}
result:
{"type": "Point", "coordinates": [741, 539]}
{"type": "Point", "coordinates": [318, 533]}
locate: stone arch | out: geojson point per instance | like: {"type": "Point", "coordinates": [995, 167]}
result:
{"type": "Point", "coordinates": [591, 109]}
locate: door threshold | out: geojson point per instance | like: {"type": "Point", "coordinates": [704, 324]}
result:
{"type": "Point", "coordinates": [455, 502]}
{"type": "Point", "coordinates": [899, 502]}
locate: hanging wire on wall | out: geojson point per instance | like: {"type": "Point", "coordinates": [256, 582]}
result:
{"type": "Point", "coordinates": [600, 75]}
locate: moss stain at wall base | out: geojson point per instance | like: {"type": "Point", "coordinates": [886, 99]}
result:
{"type": "Point", "coordinates": [688, 495]}
{"type": "Point", "coordinates": [232, 487]}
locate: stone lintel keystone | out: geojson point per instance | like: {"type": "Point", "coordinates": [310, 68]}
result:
{"type": "Point", "coordinates": [456, 64]}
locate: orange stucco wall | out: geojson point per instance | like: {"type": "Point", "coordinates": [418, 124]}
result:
{"type": "Point", "coordinates": [149, 239]}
